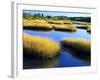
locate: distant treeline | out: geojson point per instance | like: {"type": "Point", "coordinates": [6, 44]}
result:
{"type": "Point", "coordinates": [84, 19]}
{"type": "Point", "coordinates": [42, 16]}
{"type": "Point", "coordinates": [39, 16]}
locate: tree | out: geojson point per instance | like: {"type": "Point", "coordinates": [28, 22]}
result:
{"type": "Point", "coordinates": [27, 16]}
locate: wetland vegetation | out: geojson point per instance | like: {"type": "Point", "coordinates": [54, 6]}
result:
{"type": "Point", "coordinates": [40, 46]}
{"type": "Point", "coordinates": [51, 38]}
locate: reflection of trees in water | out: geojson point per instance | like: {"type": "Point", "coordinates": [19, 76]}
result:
{"type": "Point", "coordinates": [30, 63]}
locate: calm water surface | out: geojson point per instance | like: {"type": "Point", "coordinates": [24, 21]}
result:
{"type": "Point", "coordinates": [65, 59]}
{"type": "Point", "coordinates": [79, 25]}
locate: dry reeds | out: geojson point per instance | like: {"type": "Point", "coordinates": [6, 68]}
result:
{"type": "Point", "coordinates": [55, 21]}
{"type": "Point", "coordinates": [79, 45]}
{"type": "Point", "coordinates": [36, 24]}
{"type": "Point", "coordinates": [60, 25]}
{"type": "Point", "coordinates": [40, 46]}
{"type": "Point", "coordinates": [66, 28]}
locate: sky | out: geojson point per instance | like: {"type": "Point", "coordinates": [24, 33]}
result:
{"type": "Point", "coordinates": [51, 13]}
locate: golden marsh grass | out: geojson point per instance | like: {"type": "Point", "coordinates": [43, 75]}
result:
{"type": "Point", "coordinates": [72, 27]}
{"type": "Point", "coordinates": [64, 27]}
{"type": "Point", "coordinates": [59, 21]}
{"type": "Point", "coordinates": [60, 25]}
{"type": "Point", "coordinates": [40, 46]}
{"type": "Point", "coordinates": [55, 21]}
{"type": "Point", "coordinates": [36, 24]}
{"type": "Point", "coordinates": [80, 45]}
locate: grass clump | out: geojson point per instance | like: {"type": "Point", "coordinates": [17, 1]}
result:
{"type": "Point", "coordinates": [81, 46]}
{"type": "Point", "coordinates": [39, 21]}
{"type": "Point", "coordinates": [40, 46]}
{"type": "Point", "coordinates": [63, 27]}
{"type": "Point", "coordinates": [67, 22]}
{"type": "Point", "coordinates": [55, 21]}
{"type": "Point", "coordinates": [60, 25]}
{"type": "Point", "coordinates": [72, 27]}
{"type": "Point", "coordinates": [36, 24]}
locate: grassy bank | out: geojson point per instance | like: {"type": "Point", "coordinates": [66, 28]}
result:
{"type": "Point", "coordinates": [36, 25]}
{"type": "Point", "coordinates": [55, 22]}
{"type": "Point", "coordinates": [60, 25]}
{"type": "Point", "coordinates": [40, 46]}
{"type": "Point", "coordinates": [67, 28]}
{"type": "Point", "coordinates": [81, 46]}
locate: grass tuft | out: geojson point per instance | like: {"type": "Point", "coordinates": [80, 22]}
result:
{"type": "Point", "coordinates": [36, 24]}
{"type": "Point", "coordinates": [66, 28]}
{"type": "Point", "coordinates": [40, 46]}
{"type": "Point", "coordinates": [78, 45]}
{"type": "Point", "coordinates": [60, 25]}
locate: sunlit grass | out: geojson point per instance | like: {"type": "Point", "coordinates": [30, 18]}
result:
{"type": "Point", "coordinates": [67, 22]}
{"type": "Point", "coordinates": [39, 21]}
{"type": "Point", "coordinates": [40, 46]}
{"type": "Point", "coordinates": [38, 24]}
{"type": "Point", "coordinates": [64, 27]}
{"type": "Point", "coordinates": [59, 21]}
{"type": "Point", "coordinates": [55, 21]}
{"type": "Point", "coordinates": [43, 25]}
{"type": "Point", "coordinates": [34, 21]}
{"type": "Point", "coordinates": [61, 25]}
{"type": "Point", "coordinates": [79, 45]}
{"type": "Point", "coordinates": [72, 27]}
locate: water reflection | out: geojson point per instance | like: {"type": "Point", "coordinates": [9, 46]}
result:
{"type": "Point", "coordinates": [30, 63]}
{"type": "Point", "coordinates": [78, 55]}
{"type": "Point", "coordinates": [78, 25]}
{"type": "Point", "coordinates": [67, 58]}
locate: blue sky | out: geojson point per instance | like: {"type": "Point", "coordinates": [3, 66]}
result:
{"type": "Point", "coordinates": [51, 13]}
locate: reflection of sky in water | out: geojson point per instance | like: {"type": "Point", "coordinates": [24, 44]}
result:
{"type": "Point", "coordinates": [57, 35]}
{"type": "Point", "coordinates": [79, 25]}
{"type": "Point", "coordinates": [65, 59]}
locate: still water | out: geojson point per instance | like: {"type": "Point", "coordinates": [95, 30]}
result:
{"type": "Point", "coordinates": [65, 59]}
{"type": "Point", "coordinates": [79, 25]}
